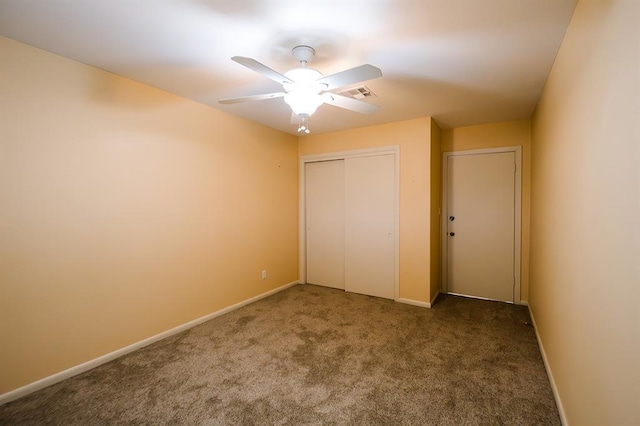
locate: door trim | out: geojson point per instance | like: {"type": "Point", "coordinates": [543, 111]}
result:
{"type": "Point", "coordinates": [342, 155]}
{"type": "Point", "coordinates": [517, 150]}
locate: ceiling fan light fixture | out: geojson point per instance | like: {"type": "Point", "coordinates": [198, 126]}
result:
{"type": "Point", "coordinates": [303, 101]}
{"type": "Point", "coordinates": [303, 95]}
{"type": "Point", "coordinates": [303, 76]}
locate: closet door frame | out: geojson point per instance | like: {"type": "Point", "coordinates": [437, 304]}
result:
{"type": "Point", "coordinates": [342, 155]}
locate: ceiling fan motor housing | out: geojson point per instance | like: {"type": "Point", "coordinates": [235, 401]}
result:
{"type": "Point", "coordinates": [303, 54]}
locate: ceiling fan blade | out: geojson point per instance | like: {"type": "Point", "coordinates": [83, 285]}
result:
{"type": "Point", "coordinates": [262, 69]}
{"type": "Point", "coordinates": [252, 98]}
{"type": "Point", "coordinates": [349, 103]}
{"type": "Point", "coordinates": [351, 76]}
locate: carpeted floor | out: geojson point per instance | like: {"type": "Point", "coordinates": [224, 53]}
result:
{"type": "Point", "coordinates": [312, 355]}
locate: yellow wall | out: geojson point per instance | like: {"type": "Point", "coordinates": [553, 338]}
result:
{"type": "Point", "coordinates": [126, 211]}
{"type": "Point", "coordinates": [496, 135]}
{"type": "Point", "coordinates": [436, 203]}
{"type": "Point", "coordinates": [585, 230]}
{"type": "Point", "coordinates": [414, 138]}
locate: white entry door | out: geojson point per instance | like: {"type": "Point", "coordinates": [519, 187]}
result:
{"type": "Point", "coordinates": [324, 193]}
{"type": "Point", "coordinates": [481, 223]}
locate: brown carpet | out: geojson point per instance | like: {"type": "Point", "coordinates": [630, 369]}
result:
{"type": "Point", "coordinates": [312, 355]}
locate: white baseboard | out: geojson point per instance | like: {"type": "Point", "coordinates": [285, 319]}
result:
{"type": "Point", "coordinates": [554, 388]}
{"type": "Point", "coordinates": [86, 366]}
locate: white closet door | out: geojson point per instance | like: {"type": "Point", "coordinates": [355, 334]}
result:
{"type": "Point", "coordinates": [324, 194]}
{"type": "Point", "coordinates": [370, 209]}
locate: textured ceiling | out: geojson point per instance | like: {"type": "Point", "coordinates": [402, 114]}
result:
{"type": "Point", "coordinates": [462, 62]}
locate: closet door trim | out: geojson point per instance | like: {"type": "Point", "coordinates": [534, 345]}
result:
{"type": "Point", "coordinates": [341, 155]}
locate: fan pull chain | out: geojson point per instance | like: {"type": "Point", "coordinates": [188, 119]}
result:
{"type": "Point", "coordinates": [303, 127]}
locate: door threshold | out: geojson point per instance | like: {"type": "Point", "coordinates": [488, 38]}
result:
{"type": "Point", "coordinates": [480, 298]}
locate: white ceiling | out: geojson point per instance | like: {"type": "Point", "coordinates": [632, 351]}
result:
{"type": "Point", "coordinates": [463, 62]}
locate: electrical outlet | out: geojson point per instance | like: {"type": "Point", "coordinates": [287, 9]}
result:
{"type": "Point", "coordinates": [264, 274]}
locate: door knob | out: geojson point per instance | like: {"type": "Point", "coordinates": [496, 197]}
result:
{"type": "Point", "coordinates": [451, 218]}
{"type": "Point", "coordinates": [451, 234]}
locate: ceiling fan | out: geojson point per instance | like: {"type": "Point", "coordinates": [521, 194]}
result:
{"type": "Point", "coordinates": [305, 89]}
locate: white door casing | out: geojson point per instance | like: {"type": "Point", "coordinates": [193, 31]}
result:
{"type": "Point", "coordinates": [481, 223]}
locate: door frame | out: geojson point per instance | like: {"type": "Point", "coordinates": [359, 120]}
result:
{"type": "Point", "coordinates": [517, 150]}
{"type": "Point", "coordinates": [302, 214]}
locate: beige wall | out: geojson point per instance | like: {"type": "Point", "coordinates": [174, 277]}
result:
{"type": "Point", "coordinates": [585, 245]}
{"type": "Point", "coordinates": [126, 211]}
{"type": "Point", "coordinates": [414, 139]}
{"type": "Point", "coordinates": [496, 135]}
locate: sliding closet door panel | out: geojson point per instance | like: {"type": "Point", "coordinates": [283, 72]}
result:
{"type": "Point", "coordinates": [370, 210]}
{"type": "Point", "coordinates": [324, 193]}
